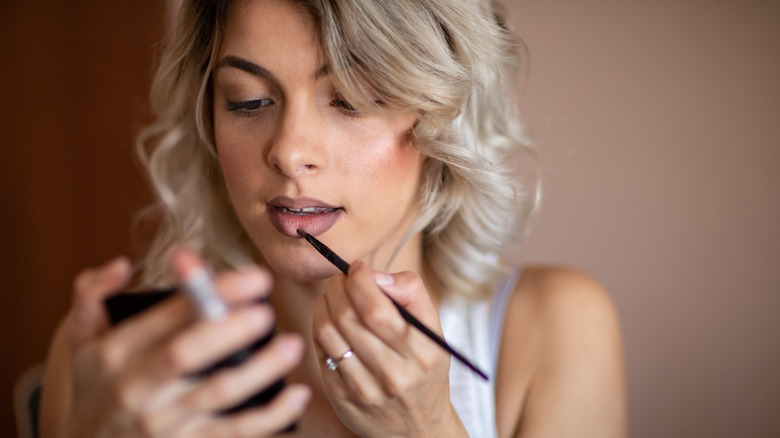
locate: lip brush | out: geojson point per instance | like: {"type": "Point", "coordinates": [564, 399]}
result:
{"type": "Point", "coordinates": [411, 319]}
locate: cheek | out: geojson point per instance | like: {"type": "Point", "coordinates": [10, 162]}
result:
{"type": "Point", "coordinates": [240, 186]}
{"type": "Point", "coordinates": [233, 163]}
{"type": "Point", "coordinates": [237, 158]}
{"type": "Point", "coordinates": [391, 166]}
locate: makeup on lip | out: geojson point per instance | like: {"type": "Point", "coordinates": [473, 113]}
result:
{"type": "Point", "coordinates": [288, 215]}
{"type": "Point", "coordinates": [411, 319]}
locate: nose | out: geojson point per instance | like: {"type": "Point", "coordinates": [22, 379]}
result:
{"type": "Point", "coordinates": [297, 148]}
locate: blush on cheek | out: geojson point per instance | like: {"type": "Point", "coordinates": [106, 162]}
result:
{"type": "Point", "coordinates": [407, 153]}
{"type": "Point", "coordinates": [389, 160]}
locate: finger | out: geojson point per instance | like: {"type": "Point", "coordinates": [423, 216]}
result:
{"type": "Point", "coordinates": [245, 284]}
{"type": "Point", "coordinates": [379, 314]}
{"type": "Point", "coordinates": [91, 287]}
{"type": "Point", "coordinates": [155, 325]}
{"type": "Point", "coordinates": [328, 342]}
{"type": "Point", "coordinates": [148, 374]}
{"type": "Point", "coordinates": [266, 420]}
{"type": "Point", "coordinates": [392, 366]}
{"type": "Point", "coordinates": [408, 290]}
{"type": "Point", "coordinates": [135, 337]}
{"type": "Point", "coordinates": [351, 379]}
{"type": "Point", "coordinates": [418, 354]}
{"type": "Point", "coordinates": [231, 386]}
{"type": "Point", "coordinates": [209, 341]}
{"type": "Point", "coordinates": [355, 332]}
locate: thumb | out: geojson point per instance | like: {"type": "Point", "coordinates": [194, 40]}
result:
{"type": "Point", "coordinates": [408, 290]}
{"type": "Point", "coordinates": [87, 318]}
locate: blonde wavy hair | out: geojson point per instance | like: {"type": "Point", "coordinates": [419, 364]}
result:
{"type": "Point", "coordinates": [452, 63]}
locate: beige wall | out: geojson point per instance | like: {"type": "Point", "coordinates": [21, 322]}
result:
{"type": "Point", "coordinates": [659, 123]}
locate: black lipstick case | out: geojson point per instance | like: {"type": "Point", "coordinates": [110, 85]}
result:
{"type": "Point", "coordinates": [127, 304]}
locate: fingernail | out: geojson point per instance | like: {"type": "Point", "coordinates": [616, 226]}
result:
{"type": "Point", "coordinates": [298, 398]}
{"type": "Point", "coordinates": [290, 347]}
{"type": "Point", "coordinates": [253, 279]}
{"type": "Point", "coordinates": [118, 263]}
{"type": "Point", "coordinates": [259, 318]}
{"type": "Point", "coordinates": [383, 279]}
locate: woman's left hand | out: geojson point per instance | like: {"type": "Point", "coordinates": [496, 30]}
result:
{"type": "Point", "coordinates": [396, 382]}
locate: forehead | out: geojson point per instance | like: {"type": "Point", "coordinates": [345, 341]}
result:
{"type": "Point", "coordinates": [260, 29]}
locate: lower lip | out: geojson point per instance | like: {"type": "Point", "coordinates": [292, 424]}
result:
{"type": "Point", "coordinates": [314, 224]}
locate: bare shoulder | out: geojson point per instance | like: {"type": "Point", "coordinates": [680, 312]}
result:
{"type": "Point", "coordinates": [562, 351]}
{"type": "Point", "coordinates": [567, 301]}
{"type": "Point", "coordinates": [565, 308]}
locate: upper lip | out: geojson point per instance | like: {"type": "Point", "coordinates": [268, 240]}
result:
{"type": "Point", "coordinates": [299, 203]}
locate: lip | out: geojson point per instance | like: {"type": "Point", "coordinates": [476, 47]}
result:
{"type": "Point", "coordinates": [314, 223]}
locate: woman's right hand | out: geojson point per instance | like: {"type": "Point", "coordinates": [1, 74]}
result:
{"type": "Point", "coordinates": [132, 380]}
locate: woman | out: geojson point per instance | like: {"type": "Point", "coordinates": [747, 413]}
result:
{"type": "Point", "coordinates": [384, 129]}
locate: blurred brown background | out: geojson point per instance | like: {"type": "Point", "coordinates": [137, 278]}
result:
{"type": "Point", "coordinates": [75, 78]}
{"type": "Point", "coordinates": [659, 126]}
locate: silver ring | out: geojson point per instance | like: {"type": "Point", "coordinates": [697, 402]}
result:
{"type": "Point", "coordinates": [332, 364]}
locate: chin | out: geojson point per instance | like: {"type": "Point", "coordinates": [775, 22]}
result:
{"type": "Point", "coordinates": [309, 268]}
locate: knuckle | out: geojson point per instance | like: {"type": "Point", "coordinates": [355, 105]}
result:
{"type": "Point", "coordinates": [257, 318]}
{"type": "Point", "coordinates": [410, 277]}
{"type": "Point", "coordinates": [416, 285]}
{"type": "Point", "coordinates": [177, 355]}
{"type": "Point", "coordinates": [429, 362]}
{"type": "Point", "coordinates": [367, 398]}
{"type": "Point", "coordinates": [345, 315]}
{"type": "Point", "coordinates": [83, 281]}
{"type": "Point", "coordinates": [411, 282]}
{"type": "Point", "coordinates": [288, 353]}
{"type": "Point", "coordinates": [325, 334]}
{"type": "Point", "coordinates": [383, 321]}
{"type": "Point", "coordinates": [244, 283]}
{"type": "Point", "coordinates": [396, 384]}
{"type": "Point", "coordinates": [218, 390]}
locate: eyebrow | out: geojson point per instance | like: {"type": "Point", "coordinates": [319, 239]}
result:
{"type": "Point", "coordinates": [257, 70]}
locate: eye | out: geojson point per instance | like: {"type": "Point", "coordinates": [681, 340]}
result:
{"type": "Point", "coordinates": [344, 106]}
{"type": "Point", "coordinates": [248, 107]}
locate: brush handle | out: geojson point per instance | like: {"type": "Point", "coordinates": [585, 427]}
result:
{"type": "Point", "coordinates": [411, 319]}
{"type": "Point", "coordinates": [326, 252]}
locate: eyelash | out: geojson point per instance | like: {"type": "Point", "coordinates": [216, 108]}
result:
{"type": "Point", "coordinates": [345, 107]}
{"type": "Point", "coordinates": [248, 107]}
{"type": "Point", "coordinates": [253, 107]}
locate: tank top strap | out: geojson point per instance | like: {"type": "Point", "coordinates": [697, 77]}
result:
{"type": "Point", "coordinates": [498, 307]}
{"type": "Point", "coordinates": [474, 327]}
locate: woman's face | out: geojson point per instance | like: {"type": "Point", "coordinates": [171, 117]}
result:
{"type": "Point", "coordinates": [295, 155]}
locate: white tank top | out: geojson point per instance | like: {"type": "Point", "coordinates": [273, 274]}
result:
{"type": "Point", "coordinates": [474, 328]}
